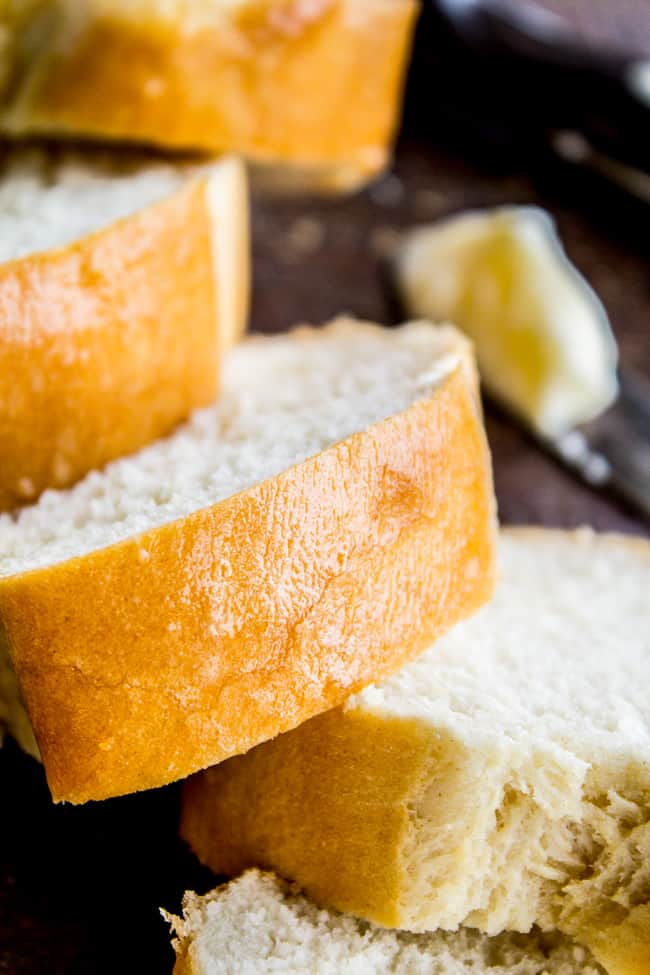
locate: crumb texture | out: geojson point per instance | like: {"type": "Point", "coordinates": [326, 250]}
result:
{"type": "Point", "coordinates": [540, 709]}
{"type": "Point", "coordinates": [258, 924]}
{"type": "Point", "coordinates": [283, 400]}
{"type": "Point", "coordinates": [499, 781]}
{"type": "Point", "coordinates": [559, 660]}
{"type": "Point", "coordinates": [49, 200]}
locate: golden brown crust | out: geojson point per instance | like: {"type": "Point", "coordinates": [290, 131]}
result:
{"type": "Point", "coordinates": [623, 949]}
{"type": "Point", "coordinates": [151, 659]}
{"type": "Point", "coordinates": [96, 357]}
{"type": "Point", "coordinates": [261, 810]}
{"type": "Point", "coordinates": [314, 84]}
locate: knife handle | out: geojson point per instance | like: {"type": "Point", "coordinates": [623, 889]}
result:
{"type": "Point", "coordinates": [521, 66]}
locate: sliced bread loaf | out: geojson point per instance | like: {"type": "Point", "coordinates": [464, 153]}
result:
{"type": "Point", "coordinates": [314, 84]}
{"type": "Point", "coordinates": [500, 781]}
{"type": "Point", "coordinates": [120, 286]}
{"type": "Point", "coordinates": [257, 925]}
{"type": "Point", "coordinates": [309, 534]}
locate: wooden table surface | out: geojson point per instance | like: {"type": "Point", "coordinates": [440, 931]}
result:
{"type": "Point", "coordinates": [80, 887]}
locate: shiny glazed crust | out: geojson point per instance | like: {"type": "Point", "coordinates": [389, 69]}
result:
{"type": "Point", "coordinates": [164, 654]}
{"type": "Point", "coordinates": [315, 84]}
{"type": "Point", "coordinates": [96, 355]}
{"type": "Point", "coordinates": [328, 808]}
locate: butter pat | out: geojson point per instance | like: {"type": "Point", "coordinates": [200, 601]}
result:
{"type": "Point", "coordinates": [543, 340]}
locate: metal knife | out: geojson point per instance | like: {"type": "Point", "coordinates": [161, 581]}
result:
{"type": "Point", "coordinates": [613, 451]}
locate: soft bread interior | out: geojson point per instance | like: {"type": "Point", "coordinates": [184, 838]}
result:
{"type": "Point", "coordinates": [501, 780]}
{"type": "Point", "coordinates": [284, 399]}
{"type": "Point", "coordinates": [258, 924]}
{"type": "Point", "coordinates": [540, 713]}
{"type": "Point", "coordinates": [52, 199]}
{"type": "Point", "coordinates": [49, 200]}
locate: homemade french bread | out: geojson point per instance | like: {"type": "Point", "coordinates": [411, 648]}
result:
{"type": "Point", "coordinates": [500, 781]}
{"type": "Point", "coordinates": [313, 84]}
{"type": "Point", "coordinates": [309, 534]}
{"type": "Point", "coordinates": [121, 285]}
{"type": "Point", "coordinates": [257, 925]}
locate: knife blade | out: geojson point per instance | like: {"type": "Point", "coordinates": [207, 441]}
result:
{"type": "Point", "coordinates": [613, 451]}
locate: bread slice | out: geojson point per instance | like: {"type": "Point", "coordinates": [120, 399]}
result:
{"type": "Point", "coordinates": [121, 284]}
{"type": "Point", "coordinates": [313, 84]}
{"type": "Point", "coordinates": [500, 781]}
{"type": "Point", "coordinates": [257, 925]}
{"type": "Point", "coordinates": [308, 535]}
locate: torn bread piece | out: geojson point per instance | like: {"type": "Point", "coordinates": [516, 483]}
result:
{"type": "Point", "coordinates": [500, 781]}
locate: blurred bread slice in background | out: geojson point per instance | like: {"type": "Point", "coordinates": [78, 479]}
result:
{"type": "Point", "coordinates": [312, 84]}
{"type": "Point", "coordinates": [121, 285]}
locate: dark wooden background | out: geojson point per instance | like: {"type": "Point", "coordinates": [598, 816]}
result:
{"type": "Point", "coordinates": [80, 887]}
